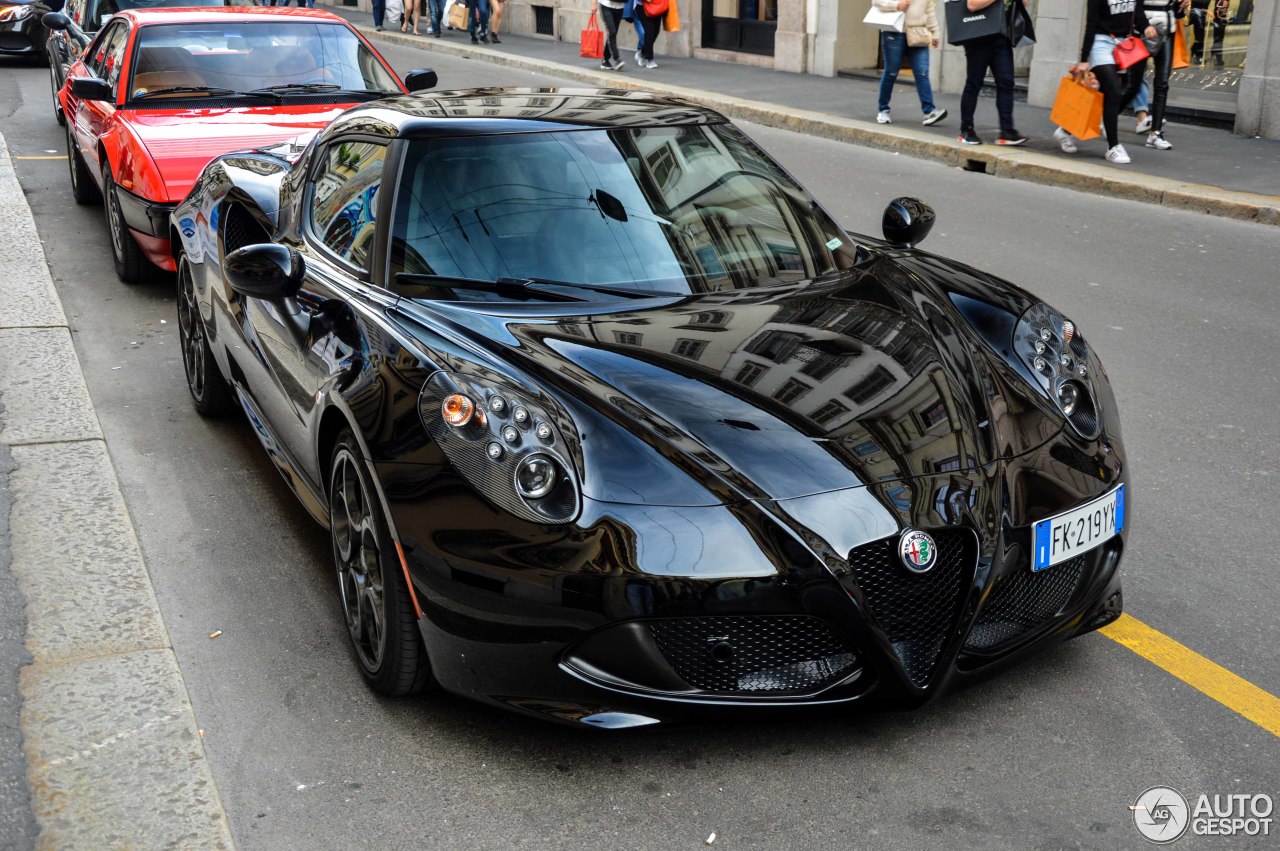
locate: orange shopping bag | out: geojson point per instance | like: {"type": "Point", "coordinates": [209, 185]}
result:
{"type": "Point", "coordinates": [1181, 59]}
{"type": "Point", "coordinates": [1077, 108]}
{"type": "Point", "coordinates": [671, 23]}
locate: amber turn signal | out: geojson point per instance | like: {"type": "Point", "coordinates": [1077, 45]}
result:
{"type": "Point", "coordinates": [457, 409]}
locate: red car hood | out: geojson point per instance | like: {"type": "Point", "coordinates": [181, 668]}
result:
{"type": "Point", "coordinates": [182, 141]}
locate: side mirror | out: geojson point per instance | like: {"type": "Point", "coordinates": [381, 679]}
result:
{"type": "Point", "coordinates": [266, 271]}
{"type": "Point", "coordinates": [55, 20]}
{"type": "Point", "coordinates": [423, 78]}
{"type": "Point", "coordinates": [907, 221]}
{"type": "Point", "coordinates": [91, 88]}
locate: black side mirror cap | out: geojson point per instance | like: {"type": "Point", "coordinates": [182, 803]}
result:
{"type": "Point", "coordinates": [267, 271]}
{"type": "Point", "coordinates": [420, 80]}
{"type": "Point", "coordinates": [91, 88]}
{"type": "Point", "coordinates": [907, 221]}
{"type": "Point", "coordinates": [55, 20]}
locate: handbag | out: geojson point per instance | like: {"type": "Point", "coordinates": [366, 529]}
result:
{"type": "Point", "coordinates": [1130, 52]}
{"type": "Point", "coordinates": [963, 25]}
{"type": "Point", "coordinates": [919, 37]}
{"type": "Point", "coordinates": [591, 40]}
{"type": "Point", "coordinates": [1077, 108]}
{"type": "Point", "coordinates": [887, 21]}
{"type": "Point", "coordinates": [1020, 33]}
{"type": "Point", "coordinates": [655, 8]}
{"type": "Point", "coordinates": [671, 23]}
{"type": "Point", "coordinates": [1181, 57]}
{"type": "Point", "coordinates": [458, 15]}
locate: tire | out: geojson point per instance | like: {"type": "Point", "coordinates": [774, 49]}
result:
{"type": "Point", "coordinates": [57, 105]}
{"type": "Point", "coordinates": [393, 659]}
{"type": "Point", "coordinates": [83, 189]}
{"type": "Point", "coordinates": [210, 392]}
{"type": "Point", "coordinates": [131, 264]}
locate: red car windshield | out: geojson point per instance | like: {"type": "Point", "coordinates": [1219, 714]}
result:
{"type": "Point", "coordinates": [246, 55]}
{"type": "Point", "coordinates": [106, 8]}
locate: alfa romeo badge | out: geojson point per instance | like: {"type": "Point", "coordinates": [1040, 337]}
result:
{"type": "Point", "coordinates": [918, 552]}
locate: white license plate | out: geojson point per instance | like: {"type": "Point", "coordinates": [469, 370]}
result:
{"type": "Point", "coordinates": [1079, 530]}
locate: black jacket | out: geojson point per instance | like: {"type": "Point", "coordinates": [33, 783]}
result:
{"type": "Point", "coordinates": [1119, 18]}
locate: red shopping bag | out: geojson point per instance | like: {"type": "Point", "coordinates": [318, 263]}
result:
{"type": "Point", "coordinates": [591, 42]}
{"type": "Point", "coordinates": [1077, 108]}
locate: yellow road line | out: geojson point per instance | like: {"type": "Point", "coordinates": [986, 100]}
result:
{"type": "Point", "coordinates": [48, 157]}
{"type": "Point", "coordinates": [1210, 678]}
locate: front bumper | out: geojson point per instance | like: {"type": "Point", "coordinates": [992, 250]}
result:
{"type": "Point", "coordinates": [577, 623]}
{"type": "Point", "coordinates": [149, 222]}
{"type": "Point", "coordinates": [23, 36]}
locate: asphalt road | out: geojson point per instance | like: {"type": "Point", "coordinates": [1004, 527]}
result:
{"type": "Point", "coordinates": [1182, 307]}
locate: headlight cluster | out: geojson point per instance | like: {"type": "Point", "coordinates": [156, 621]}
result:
{"type": "Point", "coordinates": [1061, 362]}
{"type": "Point", "coordinates": [504, 443]}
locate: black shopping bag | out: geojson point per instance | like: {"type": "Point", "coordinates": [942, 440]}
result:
{"type": "Point", "coordinates": [963, 25]}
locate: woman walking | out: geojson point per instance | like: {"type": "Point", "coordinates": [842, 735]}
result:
{"type": "Point", "coordinates": [611, 14]}
{"type": "Point", "coordinates": [651, 24]}
{"type": "Point", "coordinates": [411, 15]}
{"type": "Point", "coordinates": [1107, 23]}
{"type": "Point", "coordinates": [994, 52]}
{"type": "Point", "coordinates": [920, 34]}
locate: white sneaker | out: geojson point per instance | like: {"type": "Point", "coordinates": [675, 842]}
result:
{"type": "Point", "coordinates": [639, 59]}
{"type": "Point", "coordinates": [934, 117]}
{"type": "Point", "coordinates": [1065, 141]}
{"type": "Point", "coordinates": [651, 64]}
{"type": "Point", "coordinates": [1144, 126]}
{"type": "Point", "coordinates": [1159, 142]}
{"type": "Point", "coordinates": [882, 117]}
{"type": "Point", "coordinates": [1118, 155]}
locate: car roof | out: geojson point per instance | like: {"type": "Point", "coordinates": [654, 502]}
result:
{"type": "Point", "coordinates": [519, 110]}
{"type": "Point", "coordinates": [216, 14]}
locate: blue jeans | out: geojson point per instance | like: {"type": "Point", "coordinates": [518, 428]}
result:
{"type": "Point", "coordinates": [471, 16]}
{"type": "Point", "coordinates": [435, 12]}
{"type": "Point", "coordinates": [894, 45]}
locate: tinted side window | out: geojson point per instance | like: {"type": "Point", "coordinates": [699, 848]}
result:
{"type": "Point", "coordinates": [344, 205]}
{"type": "Point", "coordinates": [100, 48]}
{"type": "Point", "coordinates": [115, 56]}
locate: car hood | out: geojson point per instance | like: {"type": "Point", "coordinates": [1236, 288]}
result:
{"type": "Point", "coordinates": [774, 394]}
{"type": "Point", "coordinates": [182, 142]}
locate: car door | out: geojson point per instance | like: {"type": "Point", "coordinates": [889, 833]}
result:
{"type": "Point", "coordinates": [91, 118]}
{"type": "Point", "coordinates": [314, 340]}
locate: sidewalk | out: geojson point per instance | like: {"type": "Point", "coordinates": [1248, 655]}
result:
{"type": "Point", "coordinates": [1210, 169]}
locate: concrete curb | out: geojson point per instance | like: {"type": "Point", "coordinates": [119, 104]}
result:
{"type": "Point", "coordinates": [1013, 163]}
{"type": "Point", "coordinates": [114, 757]}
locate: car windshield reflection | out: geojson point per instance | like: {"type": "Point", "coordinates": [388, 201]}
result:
{"type": "Point", "coordinates": [674, 209]}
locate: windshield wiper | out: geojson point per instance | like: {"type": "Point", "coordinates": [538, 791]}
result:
{"type": "Point", "coordinates": [502, 286]}
{"type": "Point", "coordinates": [606, 289]}
{"type": "Point", "coordinates": [285, 89]}
{"type": "Point", "coordinates": [214, 91]}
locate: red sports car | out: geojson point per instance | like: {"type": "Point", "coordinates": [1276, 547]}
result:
{"type": "Point", "coordinates": [160, 92]}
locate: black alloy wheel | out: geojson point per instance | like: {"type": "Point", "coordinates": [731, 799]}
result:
{"type": "Point", "coordinates": [131, 264]}
{"type": "Point", "coordinates": [376, 606]}
{"type": "Point", "coordinates": [83, 189]}
{"type": "Point", "coordinates": [53, 83]}
{"type": "Point", "coordinates": [209, 389]}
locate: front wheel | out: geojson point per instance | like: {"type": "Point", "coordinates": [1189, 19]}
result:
{"type": "Point", "coordinates": [376, 606]}
{"type": "Point", "coordinates": [209, 390]}
{"type": "Point", "coordinates": [131, 264]}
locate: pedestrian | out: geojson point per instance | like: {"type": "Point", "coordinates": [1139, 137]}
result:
{"type": "Point", "coordinates": [611, 15]}
{"type": "Point", "coordinates": [478, 21]}
{"type": "Point", "coordinates": [993, 52]}
{"type": "Point", "coordinates": [435, 15]}
{"type": "Point", "coordinates": [412, 12]}
{"type": "Point", "coordinates": [495, 20]}
{"type": "Point", "coordinates": [649, 15]}
{"type": "Point", "coordinates": [1107, 23]}
{"type": "Point", "coordinates": [1164, 16]}
{"type": "Point", "coordinates": [379, 8]}
{"type": "Point", "coordinates": [920, 34]}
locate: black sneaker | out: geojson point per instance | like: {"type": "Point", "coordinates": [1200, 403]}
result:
{"type": "Point", "coordinates": [475, 40]}
{"type": "Point", "coordinates": [484, 37]}
{"type": "Point", "coordinates": [493, 38]}
{"type": "Point", "coordinates": [1011, 137]}
{"type": "Point", "coordinates": [968, 137]}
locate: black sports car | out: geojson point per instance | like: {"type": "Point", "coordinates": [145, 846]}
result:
{"type": "Point", "coordinates": [611, 422]}
{"type": "Point", "coordinates": [22, 31]}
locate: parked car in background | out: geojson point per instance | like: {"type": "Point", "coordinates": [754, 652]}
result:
{"type": "Point", "coordinates": [159, 93]}
{"type": "Point", "coordinates": [610, 422]}
{"type": "Point", "coordinates": [85, 18]}
{"type": "Point", "coordinates": [22, 31]}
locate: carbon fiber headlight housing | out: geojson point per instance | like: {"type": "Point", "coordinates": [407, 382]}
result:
{"type": "Point", "coordinates": [1060, 361]}
{"type": "Point", "coordinates": [509, 445]}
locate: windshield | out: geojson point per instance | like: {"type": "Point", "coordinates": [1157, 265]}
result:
{"type": "Point", "coordinates": [106, 8]}
{"type": "Point", "coordinates": [675, 209]}
{"type": "Point", "coordinates": [244, 55]}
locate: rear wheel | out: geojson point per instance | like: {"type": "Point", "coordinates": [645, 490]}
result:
{"type": "Point", "coordinates": [376, 606]}
{"type": "Point", "coordinates": [131, 264]}
{"type": "Point", "coordinates": [209, 390]}
{"type": "Point", "coordinates": [83, 189]}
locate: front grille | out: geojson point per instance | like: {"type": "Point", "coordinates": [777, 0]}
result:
{"type": "Point", "coordinates": [916, 611]}
{"type": "Point", "coordinates": [764, 654]}
{"type": "Point", "coordinates": [1023, 601]}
